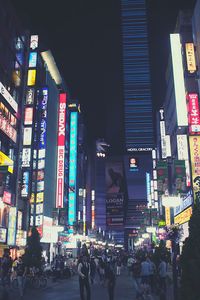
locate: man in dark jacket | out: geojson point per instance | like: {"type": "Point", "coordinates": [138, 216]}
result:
{"type": "Point", "coordinates": [84, 274]}
{"type": "Point", "coordinates": [110, 279]}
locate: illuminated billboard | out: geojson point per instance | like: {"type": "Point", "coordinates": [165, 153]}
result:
{"type": "Point", "coordinates": [61, 150]}
{"type": "Point", "coordinates": [177, 65]}
{"type": "Point", "coordinates": [34, 42]}
{"type": "Point", "coordinates": [182, 147]}
{"type": "Point", "coordinates": [27, 138]}
{"type": "Point", "coordinates": [28, 116]}
{"type": "Point", "coordinates": [25, 184]}
{"type": "Point", "coordinates": [193, 113]}
{"type": "Point", "coordinates": [195, 159]}
{"type": "Point", "coordinates": [31, 77]}
{"type": "Point", "coordinates": [12, 226]}
{"type": "Point", "coordinates": [43, 122]}
{"type": "Point", "coordinates": [26, 157]}
{"type": "Point", "coordinates": [30, 96]}
{"type": "Point", "coordinates": [8, 129]}
{"type": "Point", "coordinates": [190, 57]}
{"type": "Point", "coordinates": [8, 97]}
{"type": "Point", "coordinates": [32, 59]}
{"type": "Point", "coordinates": [72, 167]}
{"type": "Point", "coordinates": [184, 216]}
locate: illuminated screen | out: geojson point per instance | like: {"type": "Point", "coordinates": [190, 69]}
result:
{"type": "Point", "coordinates": [72, 167]}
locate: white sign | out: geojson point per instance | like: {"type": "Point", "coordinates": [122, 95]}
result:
{"type": "Point", "coordinates": [27, 138]}
{"type": "Point", "coordinates": [8, 97]}
{"type": "Point", "coordinates": [38, 220]}
{"type": "Point", "coordinates": [179, 83]}
{"type": "Point", "coordinates": [26, 157]}
{"type": "Point", "coordinates": [34, 42]}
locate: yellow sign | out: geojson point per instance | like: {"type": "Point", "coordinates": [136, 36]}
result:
{"type": "Point", "coordinates": [184, 216]}
{"type": "Point", "coordinates": [31, 77]}
{"type": "Point", "coordinates": [190, 56]}
{"type": "Point", "coordinates": [40, 197]}
{"type": "Point", "coordinates": [6, 161]}
{"type": "Point", "coordinates": [195, 159]}
{"type": "Point", "coordinates": [167, 216]}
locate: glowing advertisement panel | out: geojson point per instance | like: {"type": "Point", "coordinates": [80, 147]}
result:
{"type": "Point", "coordinates": [31, 77]}
{"type": "Point", "coordinates": [43, 123]}
{"type": "Point", "coordinates": [8, 97]}
{"type": "Point", "coordinates": [190, 57]}
{"type": "Point", "coordinates": [32, 59]}
{"type": "Point", "coordinates": [8, 129]}
{"type": "Point", "coordinates": [72, 167]}
{"type": "Point", "coordinates": [28, 117]}
{"type": "Point", "coordinates": [184, 216]}
{"type": "Point", "coordinates": [26, 157]}
{"type": "Point", "coordinates": [61, 150]}
{"type": "Point", "coordinates": [193, 111]}
{"type": "Point", "coordinates": [177, 65]}
{"type": "Point", "coordinates": [182, 148]}
{"type": "Point", "coordinates": [12, 226]}
{"type": "Point", "coordinates": [27, 138]}
{"type": "Point", "coordinates": [195, 163]}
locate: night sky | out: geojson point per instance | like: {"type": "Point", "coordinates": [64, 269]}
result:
{"type": "Point", "coordinates": [85, 39]}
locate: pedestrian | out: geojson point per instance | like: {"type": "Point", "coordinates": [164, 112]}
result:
{"type": "Point", "coordinates": [119, 264]}
{"type": "Point", "coordinates": [162, 272]}
{"type": "Point", "coordinates": [84, 274]}
{"type": "Point", "coordinates": [137, 277]}
{"type": "Point", "coordinates": [130, 262]}
{"type": "Point", "coordinates": [145, 271]}
{"type": "Point", "coordinates": [21, 271]}
{"type": "Point", "coordinates": [92, 270]}
{"type": "Point", "coordinates": [152, 274]}
{"type": "Point", "coordinates": [110, 279]}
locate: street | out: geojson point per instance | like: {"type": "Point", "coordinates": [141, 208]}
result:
{"type": "Point", "coordinates": [69, 289]}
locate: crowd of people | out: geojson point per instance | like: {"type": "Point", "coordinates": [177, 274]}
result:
{"type": "Point", "coordinates": [102, 268]}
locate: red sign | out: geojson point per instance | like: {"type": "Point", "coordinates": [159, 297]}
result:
{"type": "Point", "coordinates": [193, 110]}
{"type": "Point", "coordinates": [7, 197]}
{"type": "Point", "coordinates": [8, 129]}
{"type": "Point", "coordinates": [61, 150]}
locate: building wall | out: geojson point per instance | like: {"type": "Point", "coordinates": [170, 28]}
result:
{"type": "Point", "coordinates": [136, 79]}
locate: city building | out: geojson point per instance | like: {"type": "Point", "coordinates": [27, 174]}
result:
{"type": "Point", "coordinates": [138, 117]}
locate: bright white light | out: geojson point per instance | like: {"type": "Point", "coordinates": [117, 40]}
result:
{"type": "Point", "coordinates": [171, 201]}
{"type": "Point", "coordinates": [177, 64]}
{"type": "Point", "coordinates": [51, 65]}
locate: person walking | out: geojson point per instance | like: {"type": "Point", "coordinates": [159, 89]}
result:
{"type": "Point", "coordinates": [92, 270]}
{"type": "Point", "coordinates": [119, 264]}
{"type": "Point", "coordinates": [21, 271]}
{"type": "Point", "coordinates": [162, 272]}
{"type": "Point", "coordinates": [84, 274]}
{"type": "Point", "coordinates": [110, 279]}
{"type": "Point", "coordinates": [145, 271]}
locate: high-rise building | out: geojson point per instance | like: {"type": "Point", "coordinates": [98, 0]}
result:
{"type": "Point", "coordinates": [136, 79]}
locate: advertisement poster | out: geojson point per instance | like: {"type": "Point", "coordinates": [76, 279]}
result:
{"type": "Point", "coordinates": [162, 175]}
{"type": "Point", "coordinates": [114, 177]}
{"type": "Point", "coordinates": [180, 176]}
{"type": "Point", "coordinates": [115, 210]}
{"type": "Point", "coordinates": [195, 158]}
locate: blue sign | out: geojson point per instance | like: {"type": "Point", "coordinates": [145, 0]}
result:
{"type": "Point", "coordinates": [72, 167]}
{"type": "Point", "coordinates": [25, 184]}
{"type": "Point", "coordinates": [32, 59]}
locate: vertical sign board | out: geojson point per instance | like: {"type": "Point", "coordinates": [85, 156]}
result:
{"type": "Point", "coordinates": [195, 163]}
{"type": "Point", "coordinates": [61, 150]}
{"type": "Point", "coordinates": [193, 112]}
{"type": "Point", "coordinates": [183, 154]}
{"type": "Point", "coordinates": [72, 167]}
{"type": "Point", "coordinates": [190, 57]}
{"type": "Point", "coordinates": [178, 74]}
{"type": "Point", "coordinates": [12, 223]}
